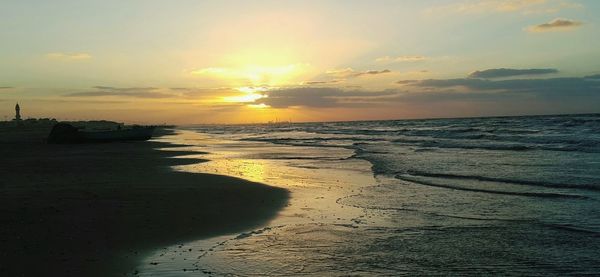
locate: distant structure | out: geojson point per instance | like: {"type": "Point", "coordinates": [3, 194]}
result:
{"type": "Point", "coordinates": [17, 113]}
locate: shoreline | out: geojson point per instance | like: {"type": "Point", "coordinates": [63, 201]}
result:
{"type": "Point", "coordinates": [98, 209]}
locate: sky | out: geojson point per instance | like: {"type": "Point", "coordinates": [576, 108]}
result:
{"type": "Point", "coordinates": [193, 62]}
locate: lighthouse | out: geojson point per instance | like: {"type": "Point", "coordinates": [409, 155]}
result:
{"type": "Point", "coordinates": [17, 113]}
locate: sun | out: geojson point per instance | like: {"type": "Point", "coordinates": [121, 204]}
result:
{"type": "Point", "coordinates": [250, 95]}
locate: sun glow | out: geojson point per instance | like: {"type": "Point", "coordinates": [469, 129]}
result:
{"type": "Point", "coordinates": [255, 75]}
{"type": "Point", "coordinates": [248, 98]}
{"type": "Point", "coordinates": [251, 94]}
{"type": "Point", "coordinates": [253, 89]}
{"type": "Point", "coordinates": [259, 106]}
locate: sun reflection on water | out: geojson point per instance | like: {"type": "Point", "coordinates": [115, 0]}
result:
{"type": "Point", "coordinates": [249, 170]}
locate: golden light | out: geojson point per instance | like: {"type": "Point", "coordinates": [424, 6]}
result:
{"type": "Point", "coordinates": [253, 89]}
{"type": "Point", "coordinates": [259, 106]}
{"type": "Point", "coordinates": [253, 72]}
{"type": "Point", "coordinates": [256, 75]}
{"type": "Point", "coordinates": [248, 98]}
{"type": "Point", "coordinates": [251, 94]}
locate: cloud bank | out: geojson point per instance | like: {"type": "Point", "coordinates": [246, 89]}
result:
{"type": "Point", "coordinates": [559, 87]}
{"type": "Point", "coordinates": [136, 92]}
{"type": "Point", "coordinates": [319, 97]}
{"type": "Point", "coordinates": [388, 59]}
{"type": "Point", "coordinates": [508, 72]}
{"type": "Point", "coordinates": [559, 91]}
{"type": "Point", "coordinates": [350, 73]}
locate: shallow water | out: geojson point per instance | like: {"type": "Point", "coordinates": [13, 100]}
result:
{"type": "Point", "coordinates": [514, 195]}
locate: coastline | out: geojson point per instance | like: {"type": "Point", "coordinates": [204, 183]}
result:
{"type": "Point", "coordinates": [350, 213]}
{"type": "Point", "coordinates": [98, 209]}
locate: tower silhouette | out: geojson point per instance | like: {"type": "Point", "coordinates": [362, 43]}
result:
{"type": "Point", "coordinates": [17, 112]}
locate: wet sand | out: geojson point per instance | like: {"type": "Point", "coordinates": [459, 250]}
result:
{"type": "Point", "coordinates": [98, 209]}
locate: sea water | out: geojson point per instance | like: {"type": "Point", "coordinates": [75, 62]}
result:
{"type": "Point", "coordinates": [502, 195]}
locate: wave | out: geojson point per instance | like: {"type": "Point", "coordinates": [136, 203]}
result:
{"type": "Point", "coordinates": [551, 133]}
{"type": "Point", "coordinates": [589, 147]}
{"type": "Point", "coordinates": [571, 228]}
{"type": "Point", "coordinates": [459, 145]}
{"type": "Point", "coordinates": [312, 139]}
{"type": "Point", "coordinates": [504, 180]}
{"type": "Point", "coordinates": [514, 193]}
{"type": "Point", "coordinates": [305, 158]}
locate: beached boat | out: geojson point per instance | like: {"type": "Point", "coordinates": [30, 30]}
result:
{"type": "Point", "coordinates": [129, 134]}
{"type": "Point", "coordinates": [66, 133]}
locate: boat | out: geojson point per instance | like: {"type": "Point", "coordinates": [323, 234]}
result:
{"type": "Point", "coordinates": [130, 134]}
{"type": "Point", "coordinates": [66, 133]}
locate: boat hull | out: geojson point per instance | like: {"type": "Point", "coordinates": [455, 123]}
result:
{"type": "Point", "coordinates": [134, 134]}
{"type": "Point", "coordinates": [66, 133]}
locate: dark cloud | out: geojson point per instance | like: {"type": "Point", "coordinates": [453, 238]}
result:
{"type": "Point", "coordinates": [406, 82]}
{"type": "Point", "coordinates": [75, 101]}
{"type": "Point", "coordinates": [508, 72]}
{"type": "Point", "coordinates": [555, 90]}
{"type": "Point", "coordinates": [6, 87]}
{"type": "Point", "coordinates": [196, 93]}
{"type": "Point", "coordinates": [558, 24]}
{"type": "Point", "coordinates": [317, 97]}
{"type": "Point", "coordinates": [124, 89]}
{"type": "Point", "coordinates": [340, 75]}
{"type": "Point", "coordinates": [137, 92]}
{"type": "Point", "coordinates": [594, 77]}
{"type": "Point", "coordinates": [560, 87]}
{"type": "Point", "coordinates": [316, 82]}
{"type": "Point", "coordinates": [372, 72]}
{"type": "Point", "coordinates": [321, 82]}
{"type": "Point", "coordinates": [407, 58]}
{"type": "Point", "coordinates": [104, 87]}
{"type": "Point", "coordinates": [350, 73]}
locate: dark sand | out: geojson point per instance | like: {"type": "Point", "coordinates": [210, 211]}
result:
{"type": "Point", "coordinates": [97, 209]}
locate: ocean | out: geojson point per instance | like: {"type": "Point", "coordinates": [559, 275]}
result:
{"type": "Point", "coordinates": [497, 195]}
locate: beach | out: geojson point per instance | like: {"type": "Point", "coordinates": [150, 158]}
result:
{"type": "Point", "coordinates": [476, 196]}
{"type": "Point", "coordinates": [97, 209]}
{"type": "Point", "coordinates": [473, 196]}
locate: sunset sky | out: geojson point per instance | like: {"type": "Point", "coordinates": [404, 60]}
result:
{"type": "Point", "coordinates": [187, 62]}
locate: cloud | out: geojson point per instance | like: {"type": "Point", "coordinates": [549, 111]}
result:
{"type": "Point", "coordinates": [350, 73]}
{"type": "Point", "coordinates": [388, 59]}
{"type": "Point", "coordinates": [318, 97]}
{"type": "Point", "coordinates": [564, 87]}
{"type": "Point", "coordinates": [373, 72]}
{"type": "Point", "coordinates": [555, 87]}
{"type": "Point", "coordinates": [341, 73]}
{"type": "Point", "coordinates": [321, 82]}
{"type": "Point", "coordinates": [509, 72]}
{"type": "Point", "coordinates": [206, 93]}
{"type": "Point", "coordinates": [560, 91]}
{"type": "Point", "coordinates": [6, 87]}
{"type": "Point", "coordinates": [68, 56]}
{"type": "Point", "coordinates": [136, 92]}
{"type": "Point", "coordinates": [558, 24]}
